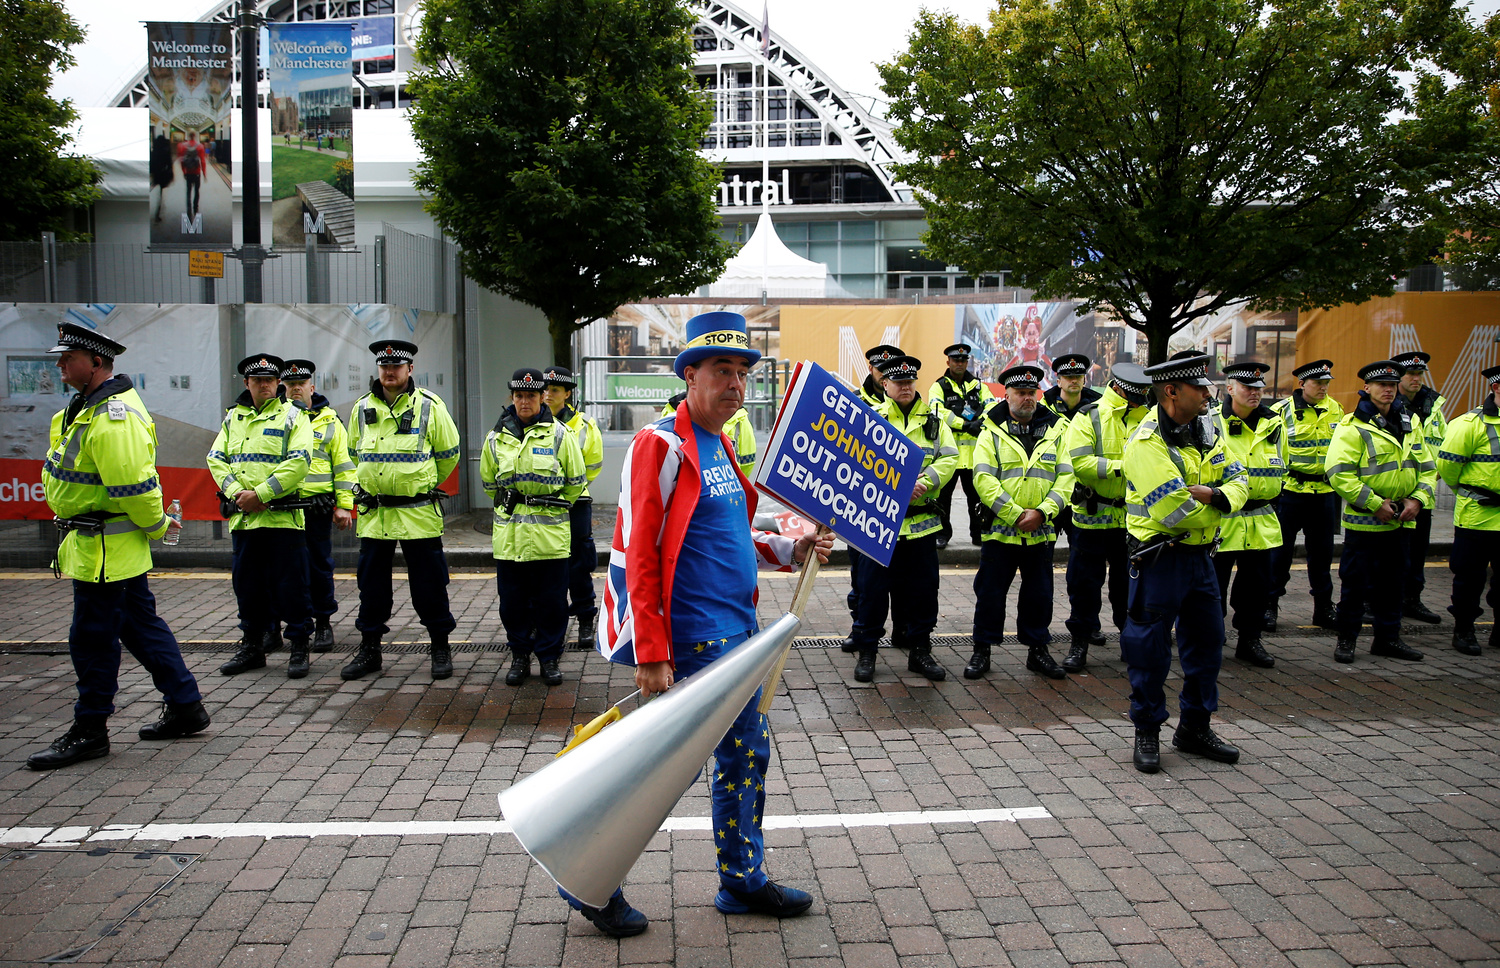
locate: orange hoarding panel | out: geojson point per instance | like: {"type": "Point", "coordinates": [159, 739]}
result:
{"type": "Point", "coordinates": [836, 337]}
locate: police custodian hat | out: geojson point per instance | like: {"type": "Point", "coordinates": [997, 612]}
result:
{"type": "Point", "coordinates": [1413, 362]}
{"type": "Point", "coordinates": [1492, 374]}
{"type": "Point", "coordinates": [560, 376]}
{"type": "Point", "coordinates": [1381, 371]}
{"type": "Point", "coordinates": [393, 352]}
{"type": "Point", "coordinates": [528, 378]}
{"type": "Point", "coordinates": [296, 371]}
{"type": "Point", "coordinates": [1023, 377]}
{"type": "Point", "coordinates": [260, 364]}
{"type": "Point", "coordinates": [1316, 370]}
{"type": "Point", "coordinates": [959, 351]}
{"type": "Point", "coordinates": [901, 368]}
{"type": "Point", "coordinates": [1071, 364]}
{"type": "Point", "coordinates": [885, 352]}
{"type": "Point", "coordinates": [71, 336]}
{"type": "Point", "coordinates": [1186, 367]}
{"type": "Point", "coordinates": [1248, 373]}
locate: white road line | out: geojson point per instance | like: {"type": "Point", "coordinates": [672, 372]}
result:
{"type": "Point", "coordinates": [172, 832]}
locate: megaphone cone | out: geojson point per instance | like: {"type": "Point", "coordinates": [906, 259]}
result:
{"type": "Point", "coordinates": [587, 816]}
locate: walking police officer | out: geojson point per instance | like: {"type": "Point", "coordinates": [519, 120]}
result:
{"type": "Point", "coordinates": [1469, 461]}
{"type": "Point", "coordinates": [1427, 404]}
{"type": "Point", "coordinates": [1023, 477]}
{"type": "Point", "coordinates": [330, 481]}
{"type": "Point", "coordinates": [261, 456]}
{"type": "Point", "coordinates": [1180, 483]}
{"type": "Point", "coordinates": [1379, 466]}
{"type": "Point", "coordinates": [960, 399]}
{"type": "Point", "coordinates": [582, 555]}
{"type": "Point", "coordinates": [1307, 503]}
{"type": "Point", "coordinates": [1096, 451]}
{"type": "Point", "coordinates": [100, 480]}
{"type": "Point", "coordinates": [405, 445]}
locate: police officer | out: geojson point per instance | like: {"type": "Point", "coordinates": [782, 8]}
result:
{"type": "Point", "coordinates": [1427, 404]}
{"type": "Point", "coordinates": [582, 555]}
{"type": "Point", "coordinates": [910, 583]}
{"type": "Point", "coordinates": [330, 479]}
{"type": "Point", "coordinates": [404, 444]}
{"type": "Point", "coordinates": [260, 456]}
{"type": "Point", "coordinates": [1255, 438]}
{"type": "Point", "coordinates": [960, 399]}
{"type": "Point", "coordinates": [1067, 398]}
{"type": "Point", "coordinates": [100, 480]}
{"type": "Point", "coordinates": [534, 470]}
{"type": "Point", "coordinates": [1307, 503]}
{"type": "Point", "coordinates": [1469, 461]}
{"type": "Point", "coordinates": [1379, 466]}
{"type": "Point", "coordinates": [1096, 451]}
{"type": "Point", "coordinates": [1180, 483]}
{"type": "Point", "coordinates": [871, 391]}
{"type": "Point", "coordinates": [1023, 477]}
{"type": "Point", "coordinates": [739, 430]}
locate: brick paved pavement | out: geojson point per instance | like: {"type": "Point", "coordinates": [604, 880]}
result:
{"type": "Point", "coordinates": [1360, 827]}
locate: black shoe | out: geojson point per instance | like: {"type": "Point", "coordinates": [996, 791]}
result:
{"type": "Point", "coordinates": [441, 661]}
{"type": "Point", "coordinates": [551, 674]}
{"type": "Point", "coordinates": [177, 721]}
{"type": "Point", "coordinates": [1413, 608]}
{"type": "Point", "coordinates": [273, 641]}
{"type": "Point", "coordinates": [322, 636]}
{"type": "Point", "coordinates": [250, 656]}
{"type": "Point", "coordinates": [617, 918]}
{"type": "Point", "coordinates": [297, 663]}
{"type": "Point", "coordinates": [1147, 754]}
{"type": "Point", "coordinates": [365, 661]}
{"type": "Point", "coordinates": [923, 664]}
{"type": "Point", "coordinates": [1039, 660]}
{"type": "Point", "coordinates": [979, 662]}
{"type": "Point", "coordinates": [1249, 649]}
{"type": "Point", "coordinates": [1465, 642]}
{"type": "Point", "coordinates": [1078, 655]}
{"type": "Point", "coordinates": [81, 742]}
{"type": "Point", "coordinates": [1396, 650]}
{"type": "Point", "coordinates": [1344, 650]}
{"type": "Point", "coordinates": [849, 645]}
{"type": "Point", "coordinates": [1325, 616]}
{"type": "Point", "coordinates": [520, 669]}
{"type": "Point", "coordinates": [1269, 623]}
{"type": "Point", "coordinates": [772, 899]}
{"type": "Point", "coordinates": [1096, 637]}
{"type": "Point", "coordinates": [864, 667]}
{"type": "Point", "coordinates": [587, 630]}
{"type": "Point", "coordinates": [942, 542]}
{"type": "Point", "coordinates": [1203, 741]}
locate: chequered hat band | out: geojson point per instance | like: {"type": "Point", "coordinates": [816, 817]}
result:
{"type": "Point", "coordinates": [1198, 372]}
{"type": "Point", "coordinates": [1072, 366]}
{"type": "Point", "coordinates": [900, 373]}
{"type": "Point", "coordinates": [1318, 373]}
{"type": "Point", "coordinates": [296, 373]}
{"type": "Point", "coordinates": [880, 358]}
{"type": "Point", "coordinates": [392, 354]}
{"type": "Point", "coordinates": [527, 383]}
{"type": "Point", "coordinates": [1023, 381]}
{"type": "Point", "coordinates": [1384, 374]}
{"type": "Point", "coordinates": [95, 346]}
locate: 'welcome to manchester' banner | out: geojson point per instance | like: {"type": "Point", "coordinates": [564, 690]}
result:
{"type": "Point", "coordinates": [839, 463]}
{"type": "Point", "coordinates": [312, 133]}
{"type": "Point", "coordinates": [190, 98]}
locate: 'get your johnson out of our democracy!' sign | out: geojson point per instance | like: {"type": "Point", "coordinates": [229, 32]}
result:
{"type": "Point", "coordinates": [839, 463]}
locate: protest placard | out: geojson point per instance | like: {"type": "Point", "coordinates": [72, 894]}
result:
{"type": "Point", "coordinates": [837, 462]}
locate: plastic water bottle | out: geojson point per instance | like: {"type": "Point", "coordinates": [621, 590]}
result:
{"type": "Point", "coordinates": [174, 511]}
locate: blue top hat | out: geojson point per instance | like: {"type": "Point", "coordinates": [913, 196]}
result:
{"type": "Point", "coordinates": [715, 334]}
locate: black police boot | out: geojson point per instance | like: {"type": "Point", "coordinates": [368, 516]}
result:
{"type": "Point", "coordinates": [1249, 649]}
{"type": "Point", "coordinates": [979, 662]}
{"type": "Point", "coordinates": [441, 661]}
{"type": "Point", "coordinates": [520, 668]}
{"type": "Point", "coordinates": [365, 661]}
{"type": "Point", "coordinates": [551, 674]}
{"type": "Point", "coordinates": [87, 739]}
{"type": "Point", "coordinates": [1201, 740]}
{"type": "Point", "coordinates": [1465, 642]}
{"type": "Point", "coordinates": [322, 636]}
{"type": "Point", "coordinates": [588, 630]}
{"type": "Point", "coordinates": [1039, 660]}
{"type": "Point", "coordinates": [1343, 651]}
{"type": "Point", "coordinates": [1325, 616]}
{"type": "Point", "coordinates": [920, 661]}
{"type": "Point", "coordinates": [1147, 754]}
{"type": "Point", "coordinates": [849, 645]}
{"type": "Point", "coordinates": [864, 666]}
{"type": "Point", "coordinates": [251, 655]}
{"type": "Point", "coordinates": [1078, 654]}
{"type": "Point", "coordinates": [273, 642]}
{"type": "Point", "coordinates": [177, 721]}
{"type": "Point", "coordinates": [942, 542]}
{"type": "Point", "coordinates": [1396, 649]}
{"type": "Point", "coordinates": [1413, 608]}
{"type": "Point", "coordinates": [1096, 637]}
{"type": "Point", "coordinates": [298, 663]}
{"type": "Point", "coordinates": [1269, 623]}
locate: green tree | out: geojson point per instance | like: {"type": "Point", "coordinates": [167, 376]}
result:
{"type": "Point", "coordinates": [1163, 159]}
{"type": "Point", "coordinates": [40, 187]}
{"type": "Point", "coordinates": [1471, 209]}
{"type": "Point", "coordinates": [560, 142]}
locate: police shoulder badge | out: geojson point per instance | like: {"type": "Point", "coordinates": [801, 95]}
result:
{"type": "Point", "coordinates": [116, 409]}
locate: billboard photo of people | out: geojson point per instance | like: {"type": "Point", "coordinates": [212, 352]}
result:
{"type": "Point", "coordinates": [312, 127]}
{"type": "Point", "coordinates": [189, 77]}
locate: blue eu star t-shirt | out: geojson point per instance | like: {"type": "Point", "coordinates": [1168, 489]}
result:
{"type": "Point", "coordinates": [714, 584]}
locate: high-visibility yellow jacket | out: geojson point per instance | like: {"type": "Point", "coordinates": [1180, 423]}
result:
{"type": "Point", "coordinates": [1308, 431]}
{"type": "Point", "coordinates": [521, 467]}
{"type": "Point", "coordinates": [1429, 405]}
{"type": "Point", "coordinates": [1469, 459]}
{"type": "Point", "coordinates": [739, 430]}
{"type": "Point", "coordinates": [939, 461]}
{"type": "Point", "coordinates": [1158, 472]}
{"type": "Point", "coordinates": [331, 469]}
{"type": "Point", "coordinates": [871, 391]}
{"type": "Point", "coordinates": [103, 461]}
{"type": "Point", "coordinates": [958, 402]}
{"type": "Point", "coordinates": [590, 441]}
{"type": "Point", "coordinates": [1011, 481]}
{"type": "Point", "coordinates": [402, 449]}
{"type": "Point", "coordinates": [1261, 450]}
{"type": "Point", "coordinates": [265, 449]}
{"type": "Point", "coordinates": [1368, 465]}
{"type": "Point", "coordinates": [1095, 444]}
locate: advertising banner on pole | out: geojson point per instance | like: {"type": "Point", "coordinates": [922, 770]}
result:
{"type": "Point", "coordinates": [839, 463]}
{"type": "Point", "coordinates": [312, 127]}
{"type": "Point", "coordinates": [189, 77]}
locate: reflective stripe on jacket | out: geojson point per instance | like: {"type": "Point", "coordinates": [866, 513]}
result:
{"type": "Point", "coordinates": [402, 449]}
{"type": "Point", "coordinates": [1468, 458]}
{"type": "Point", "coordinates": [1428, 404]}
{"type": "Point", "coordinates": [1095, 445]}
{"type": "Point", "coordinates": [939, 461]}
{"type": "Point", "coordinates": [1011, 481]}
{"type": "Point", "coordinates": [540, 460]}
{"type": "Point", "coordinates": [1309, 431]}
{"type": "Point", "coordinates": [1367, 466]}
{"type": "Point", "coordinates": [1158, 475]}
{"type": "Point", "coordinates": [1261, 450]}
{"type": "Point", "coordinates": [590, 441]}
{"type": "Point", "coordinates": [331, 469]}
{"type": "Point", "coordinates": [266, 450]}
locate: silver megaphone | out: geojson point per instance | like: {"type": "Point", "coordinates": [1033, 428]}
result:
{"type": "Point", "coordinates": [587, 816]}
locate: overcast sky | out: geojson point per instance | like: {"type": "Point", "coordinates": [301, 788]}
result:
{"type": "Point", "coordinates": [844, 39]}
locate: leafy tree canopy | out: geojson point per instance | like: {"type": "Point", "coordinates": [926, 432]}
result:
{"type": "Point", "coordinates": [1163, 159]}
{"type": "Point", "coordinates": [40, 187]}
{"type": "Point", "coordinates": [561, 146]}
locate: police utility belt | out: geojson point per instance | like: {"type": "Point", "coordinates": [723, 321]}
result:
{"type": "Point", "coordinates": [1142, 554]}
{"type": "Point", "coordinates": [1483, 496]}
{"type": "Point", "coordinates": [509, 498]}
{"type": "Point", "coordinates": [1305, 478]}
{"type": "Point", "coordinates": [1092, 500]}
{"type": "Point", "coordinates": [95, 523]}
{"type": "Point", "coordinates": [292, 502]}
{"type": "Point", "coordinates": [366, 501]}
